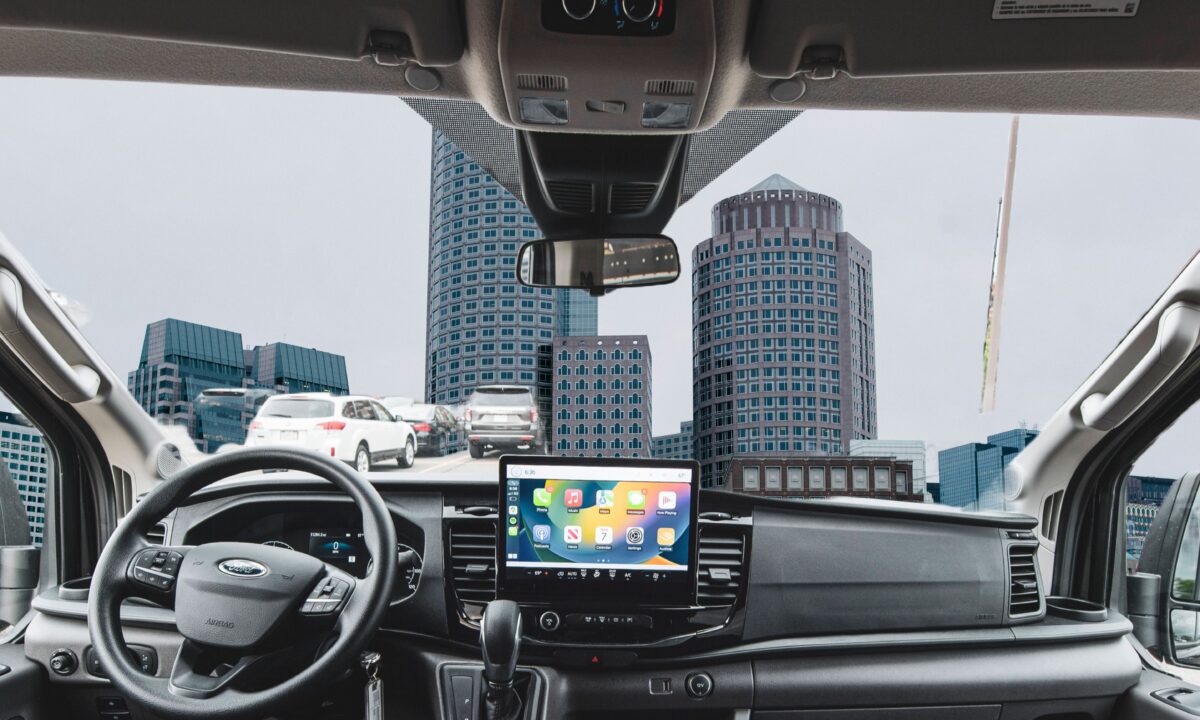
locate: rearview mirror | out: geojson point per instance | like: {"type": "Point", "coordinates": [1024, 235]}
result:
{"type": "Point", "coordinates": [599, 264]}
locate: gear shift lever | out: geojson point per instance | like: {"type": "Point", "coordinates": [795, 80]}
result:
{"type": "Point", "coordinates": [500, 640]}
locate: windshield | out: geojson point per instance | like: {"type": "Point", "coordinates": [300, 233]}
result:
{"type": "Point", "coordinates": [864, 308]}
{"type": "Point", "coordinates": [294, 408]}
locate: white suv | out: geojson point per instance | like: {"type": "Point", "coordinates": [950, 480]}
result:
{"type": "Point", "coordinates": [352, 428]}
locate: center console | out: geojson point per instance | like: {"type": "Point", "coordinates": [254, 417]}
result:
{"type": "Point", "coordinates": [599, 552]}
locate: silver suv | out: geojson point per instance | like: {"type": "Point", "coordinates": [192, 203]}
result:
{"type": "Point", "coordinates": [503, 417]}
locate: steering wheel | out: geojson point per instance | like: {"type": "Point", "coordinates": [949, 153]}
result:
{"type": "Point", "coordinates": [249, 614]}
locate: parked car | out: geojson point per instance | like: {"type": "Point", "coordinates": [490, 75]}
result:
{"type": "Point", "coordinates": [433, 424]}
{"type": "Point", "coordinates": [352, 428]}
{"type": "Point", "coordinates": [503, 417]}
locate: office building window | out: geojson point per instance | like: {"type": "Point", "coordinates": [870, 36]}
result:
{"type": "Point", "coordinates": [795, 478]}
{"type": "Point", "coordinates": [860, 479]}
{"type": "Point", "coordinates": [816, 478]}
{"type": "Point", "coordinates": [883, 478]}
{"type": "Point", "coordinates": [774, 478]}
{"type": "Point", "coordinates": [837, 478]}
{"type": "Point", "coordinates": [750, 478]}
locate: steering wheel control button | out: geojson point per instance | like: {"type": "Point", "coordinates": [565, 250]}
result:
{"type": "Point", "coordinates": [699, 685]}
{"type": "Point", "coordinates": [549, 621]}
{"type": "Point", "coordinates": [63, 662]}
{"type": "Point", "coordinates": [326, 597]}
{"type": "Point", "coordinates": [157, 568]}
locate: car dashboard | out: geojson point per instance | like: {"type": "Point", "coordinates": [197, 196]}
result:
{"type": "Point", "coordinates": [799, 608]}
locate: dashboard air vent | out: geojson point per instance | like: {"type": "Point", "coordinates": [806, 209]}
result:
{"type": "Point", "coordinates": [157, 535]}
{"type": "Point", "coordinates": [1023, 596]}
{"type": "Point", "coordinates": [670, 87]}
{"type": "Point", "coordinates": [630, 198]}
{"type": "Point", "coordinates": [570, 195]}
{"type": "Point", "coordinates": [551, 83]}
{"type": "Point", "coordinates": [473, 560]}
{"type": "Point", "coordinates": [722, 565]}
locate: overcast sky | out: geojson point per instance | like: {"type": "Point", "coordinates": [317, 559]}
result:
{"type": "Point", "coordinates": [304, 217]}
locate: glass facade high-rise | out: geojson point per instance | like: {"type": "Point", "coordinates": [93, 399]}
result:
{"type": "Point", "coordinates": [28, 464]}
{"type": "Point", "coordinates": [783, 331]}
{"type": "Point", "coordinates": [290, 368]}
{"type": "Point", "coordinates": [602, 396]}
{"type": "Point", "coordinates": [675, 446]}
{"type": "Point", "coordinates": [181, 360]}
{"type": "Point", "coordinates": [483, 327]}
{"type": "Point", "coordinates": [972, 476]}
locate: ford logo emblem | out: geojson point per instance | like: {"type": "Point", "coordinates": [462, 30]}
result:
{"type": "Point", "coordinates": [242, 568]}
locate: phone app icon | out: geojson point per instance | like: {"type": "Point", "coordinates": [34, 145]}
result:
{"type": "Point", "coordinates": [573, 497]}
{"type": "Point", "coordinates": [666, 536]}
{"type": "Point", "coordinates": [573, 534]}
{"type": "Point", "coordinates": [636, 500]}
{"type": "Point", "coordinates": [512, 531]}
{"type": "Point", "coordinates": [542, 497]}
{"type": "Point", "coordinates": [666, 500]}
{"type": "Point", "coordinates": [634, 536]}
{"type": "Point", "coordinates": [604, 498]}
{"type": "Point", "coordinates": [604, 535]}
{"type": "Point", "coordinates": [541, 533]}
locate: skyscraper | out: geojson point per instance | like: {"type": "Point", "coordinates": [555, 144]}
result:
{"type": "Point", "coordinates": [602, 396]}
{"type": "Point", "coordinates": [971, 476]}
{"type": "Point", "coordinates": [24, 454]}
{"type": "Point", "coordinates": [783, 339]}
{"type": "Point", "coordinates": [483, 327]}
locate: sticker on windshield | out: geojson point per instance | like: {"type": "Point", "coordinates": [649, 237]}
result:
{"type": "Point", "coordinates": [1037, 9]}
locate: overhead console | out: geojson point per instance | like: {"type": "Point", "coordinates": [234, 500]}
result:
{"type": "Point", "coordinates": [607, 65]}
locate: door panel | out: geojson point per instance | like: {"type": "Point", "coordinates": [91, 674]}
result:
{"type": "Point", "coordinates": [22, 686]}
{"type": "Point", "coordinates": [1153, 697]}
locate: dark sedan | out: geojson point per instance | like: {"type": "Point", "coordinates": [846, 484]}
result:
{"type": "Point", "coordinates": [437, 431]}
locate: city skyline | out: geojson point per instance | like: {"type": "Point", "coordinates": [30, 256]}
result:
{"type": "Point", "coordinates": [922, 187]}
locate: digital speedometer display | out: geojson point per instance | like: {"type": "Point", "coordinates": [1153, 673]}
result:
{"type": "Point", "coordinates": [344, 549]}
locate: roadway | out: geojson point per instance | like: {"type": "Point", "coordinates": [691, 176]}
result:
{"type": "Point", "coordinates": [456, 463]}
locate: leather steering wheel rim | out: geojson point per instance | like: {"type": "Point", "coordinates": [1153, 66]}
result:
{"type": "Point", "coordinates": [356, 623]}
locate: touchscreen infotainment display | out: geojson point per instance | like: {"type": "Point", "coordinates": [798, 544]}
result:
{"type": "Point", "coordinates": [595, 529]}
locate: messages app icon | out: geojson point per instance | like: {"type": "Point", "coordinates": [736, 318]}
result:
{"type": "Point", "coordinates": [636, 500]}
{"type": "Point", "coordinates": [541, 497]}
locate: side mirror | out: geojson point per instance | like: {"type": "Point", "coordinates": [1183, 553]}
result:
{"type": "Point", "coordinates": [598, 264]}
{"type": "Point", "coordinates": [1172, 553]}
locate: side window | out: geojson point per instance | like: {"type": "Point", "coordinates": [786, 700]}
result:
{"type": "Point", "coordinates": [381, 413]}
{"type": "Point", "coordinates": [362, 408]}
{"type": "Point", "coordinates": [348, 410]}
{"type": "Point", "coordinates": [26, 473]}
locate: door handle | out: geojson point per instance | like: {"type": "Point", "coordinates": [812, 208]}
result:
{"type": "Point", "coordinates": [1178, 332]}
{"type": "Point", "coordinates": [73, 383]}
